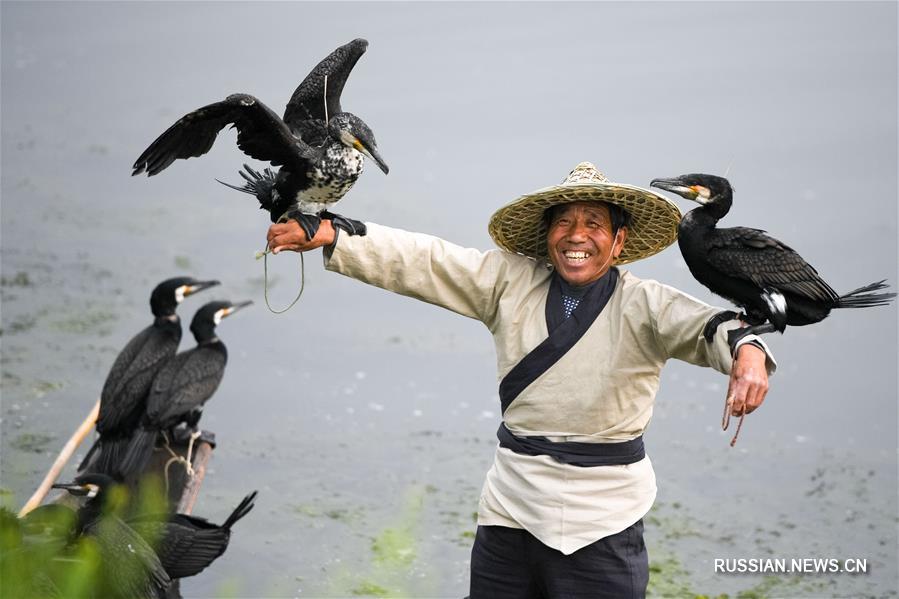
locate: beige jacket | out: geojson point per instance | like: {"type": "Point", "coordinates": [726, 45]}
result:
{"type": "Point", "coordinates": [601, 390]}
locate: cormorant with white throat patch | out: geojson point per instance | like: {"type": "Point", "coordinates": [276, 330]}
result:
{"type": "Point", "coordinates": [183, 385]}
{"type": "Point", "coordinates": [319, 147]}
{"type": "Point", "coordinates": [124, 395]}
{"type": "Point", "coordinates": [762, 275]}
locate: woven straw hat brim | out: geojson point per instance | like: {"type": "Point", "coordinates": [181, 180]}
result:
{"type": "Point", "coordinates": [518, 227]}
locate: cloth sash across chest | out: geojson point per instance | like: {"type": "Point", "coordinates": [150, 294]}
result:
{"type": "Point", "coordinates": [564, 333]}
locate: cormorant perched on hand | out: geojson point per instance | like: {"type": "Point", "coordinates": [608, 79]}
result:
{"type": "Point", "coordinates": [183, 385]}
{"type": "Point", "coordinates": [123, 399]}
{"type": "Point", "coordinates": [186, 545]}
{"type": "Point", "coordinates": [318, 147]}
{"type": "Point", "coordinates": [130, 567]}
{"type": "Point", "coordinates": [764, 276]}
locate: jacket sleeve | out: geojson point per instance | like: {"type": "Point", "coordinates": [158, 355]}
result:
{"type": "Point", "coordinates": [679, 322]}
{"type": "Point", "coordinates": [466, 281]}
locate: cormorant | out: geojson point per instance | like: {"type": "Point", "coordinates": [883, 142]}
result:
{"type": "Point", "coordinates": [771, 282]}
{"type": "Point", "coordinates": [130, 567]}
{"type": "Point", "coordinates": [318, 147]}
{"type": "Point", "coordinates": [183, 385]}
{"type": "Point", "coordinates": [186, 545]}
{"type": "Point", "coordinates": [123, 399]}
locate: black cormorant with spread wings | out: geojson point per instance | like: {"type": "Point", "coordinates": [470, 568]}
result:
{"type": "Point", "coordinates": [183, 385]}
{"type": "Point", "coordinates": [764, 276]}
{"type": "Point", "coordinates": [124, 395]}
{"type": "Point", "coordinates": [318, 146]}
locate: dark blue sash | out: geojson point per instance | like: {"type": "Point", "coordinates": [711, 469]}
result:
{"type": "Point", "coordinates": [564, 333]}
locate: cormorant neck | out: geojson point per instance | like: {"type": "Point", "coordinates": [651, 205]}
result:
{"type": "Point", "coordinates": [167, 318]}
{"type": "Point", "coordinates": [204, 333]}
{"type": "Point", "coordinates": [719, 206]}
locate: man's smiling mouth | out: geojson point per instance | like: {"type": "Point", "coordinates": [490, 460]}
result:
{"type": "Point", "coordinates": [576, 256]}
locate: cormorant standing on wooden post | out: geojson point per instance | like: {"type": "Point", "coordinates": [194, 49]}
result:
{"type": "Point", "coordinates": [318, 147]}
{"type": "Point", "coordinates": [183, 385]}
{"type": "Point", "coordinates": [762, 275]}
{"type": "Point", "coordinates": [123, 399]}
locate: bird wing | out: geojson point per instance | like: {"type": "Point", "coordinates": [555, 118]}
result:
{"type": "Point", "coordinates": [309, 100]}
{"type": "Point", "coordinates": [184, 384]}
{"type": "Point", "coordinates": [754, 255]}
{"type": "Point", "coordinates": [130, 377]}
{"type": "Point", "coordinates": [185, 545]}
{"type": "Point", "coordinates": [261, 134]}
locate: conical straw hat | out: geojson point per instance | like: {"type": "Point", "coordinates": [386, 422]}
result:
{"type": "Point", "coordinates": [519, 227]}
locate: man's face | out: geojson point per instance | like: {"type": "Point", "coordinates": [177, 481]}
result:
{"type": "Point", "coordinates": [580, 242]}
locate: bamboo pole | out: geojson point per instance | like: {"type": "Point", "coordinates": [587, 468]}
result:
{"type": "Point", "coordinates": [61, 460]}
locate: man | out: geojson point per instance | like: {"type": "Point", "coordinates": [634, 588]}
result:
{"type": "Point", "coordinates": [580, 346]}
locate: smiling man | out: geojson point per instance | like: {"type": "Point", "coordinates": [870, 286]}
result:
{"type": "Point", "coordinates": [580, 346]}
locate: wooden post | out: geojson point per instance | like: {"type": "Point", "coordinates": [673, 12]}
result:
{"type": "Point", "coordinates": [192, 488]}
{"type": "Point", "coordinates": [61, 460]}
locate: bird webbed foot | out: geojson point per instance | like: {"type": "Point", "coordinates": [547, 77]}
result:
{"type": "Point", "coordinates": [350, 226]}
{"type": "Point", "coordinates": [308, 222]}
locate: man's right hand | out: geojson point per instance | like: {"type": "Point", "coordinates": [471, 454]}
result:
{"type": "Point", "coordinates": [290, 236]}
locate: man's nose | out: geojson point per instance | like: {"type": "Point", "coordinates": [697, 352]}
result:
{"type": "Point", "coordinates": [577, 232]}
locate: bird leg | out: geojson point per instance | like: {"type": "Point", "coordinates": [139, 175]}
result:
{"type": "Point", "coordinates": [309, 222]}
{"type": "Point", "coordinates": [352, 227]}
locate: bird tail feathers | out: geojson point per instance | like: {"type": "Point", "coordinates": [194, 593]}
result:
{"type": "Point", "coordinates": [257, 184]}
{"type": "Point", "coordinates": [110, 452]}
{"type": "Point", "coordinates": [90, 453]}
{"type": "Point", "coordinates": [863, 297]}
{"type": "Point", "coordinates": [242, 509]}
{"type": "Point", "coordinates": [137, 453]}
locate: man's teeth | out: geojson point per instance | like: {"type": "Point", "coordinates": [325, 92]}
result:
{"type": "Point", "coordinates": [571, 255]}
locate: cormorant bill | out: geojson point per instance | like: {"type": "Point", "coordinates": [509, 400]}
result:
{"type": "Point", "coordinates": [183, 385]}
{"type": "Point", "coordinates": [318, 146]}
{"type": "Point", "coordinates": [123, 399]}
{"type": "Point", "coordinates": [764, 276]}
{"type": "Point", "coordinates": [186, 545]}
{"type": "Point", "coordinates": [130, 567]}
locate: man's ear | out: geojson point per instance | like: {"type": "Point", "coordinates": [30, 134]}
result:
{"type": "Point", "coordinates": [618, 243]}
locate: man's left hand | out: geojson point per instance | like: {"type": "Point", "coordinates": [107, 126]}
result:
{"type": "Point", "coordinates": [748, 380]}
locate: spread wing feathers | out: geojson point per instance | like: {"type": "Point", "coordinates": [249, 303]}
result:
{"type": "Point", "coordinates": [261, 134]}
{"type": "Point", "coordinates": [184, 384]}
{"type": "Point", "coordinates": [308, 101]}
{"type": "Point", "coordinates": [131, 375]}
{"type": "Point", "coordinates": [753, 255]}
{"type": "Point", "coordinates": [183, 549]}
{"type": "Point", "coordinates": [188, 544]}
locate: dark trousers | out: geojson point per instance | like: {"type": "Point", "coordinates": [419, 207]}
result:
{"type": "Point", "coordinates": [509, 563]}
